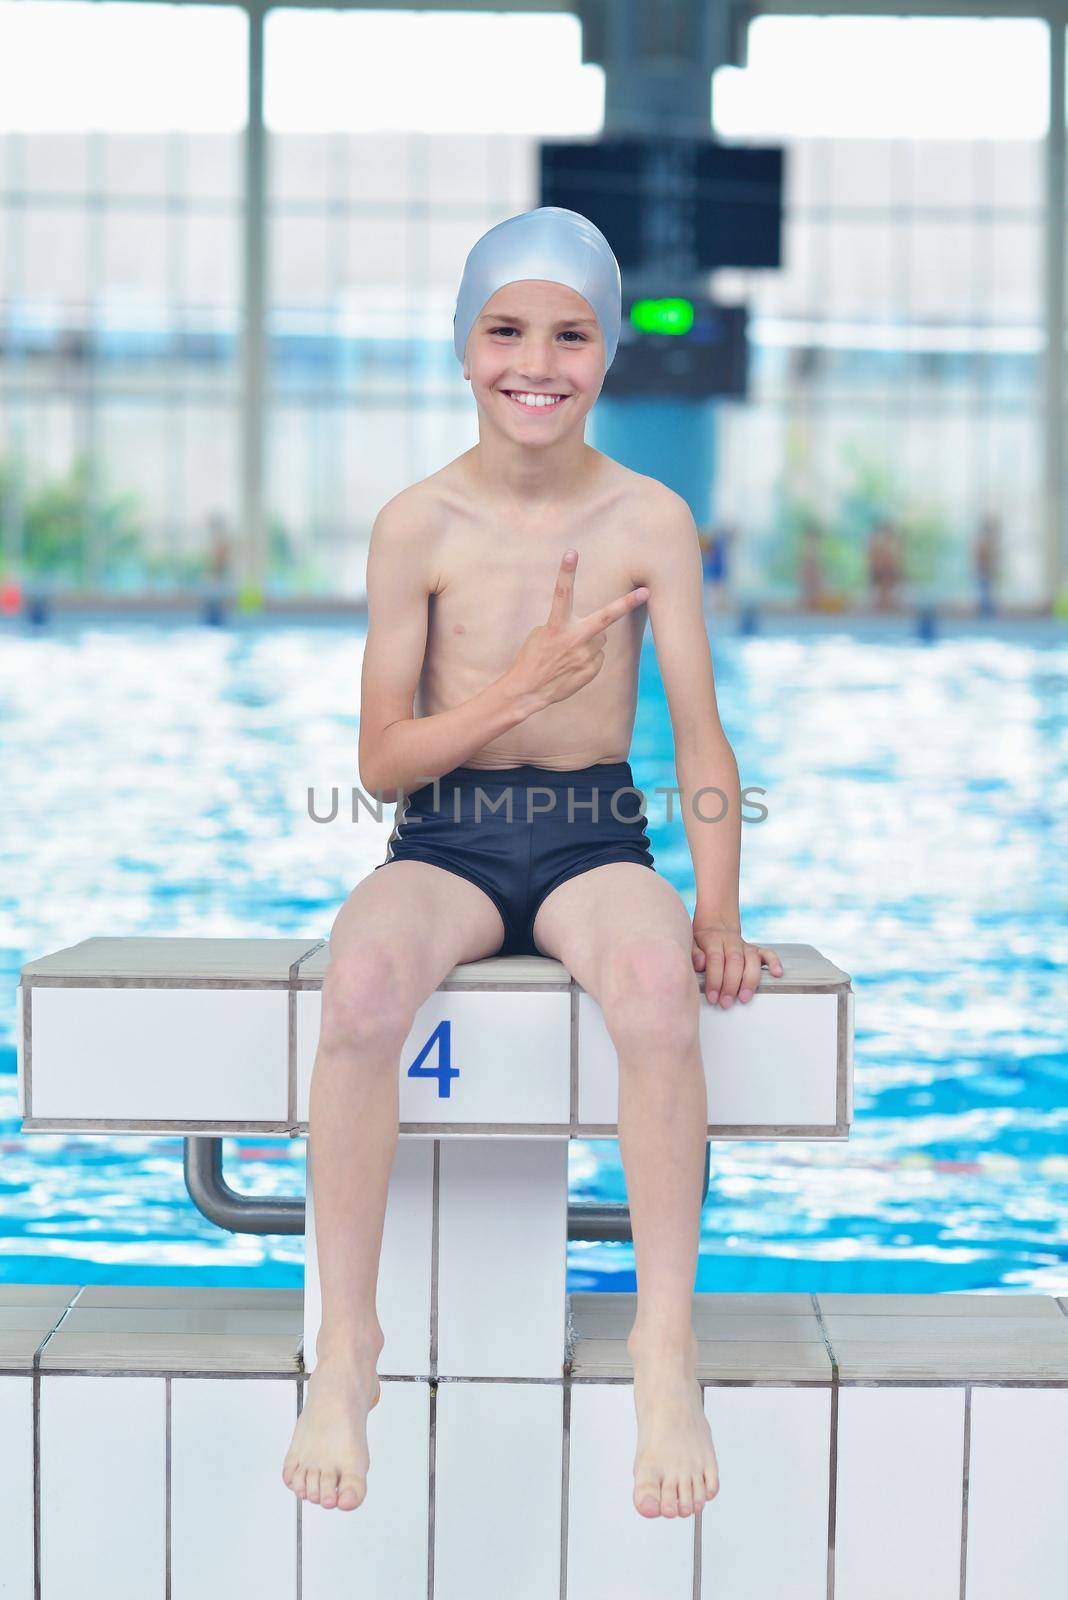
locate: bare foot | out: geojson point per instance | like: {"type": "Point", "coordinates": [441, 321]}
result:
{"type": "Point", "coordinates": [675, 1467]}
{"type": "Point", "coordinates": [328, 1459]}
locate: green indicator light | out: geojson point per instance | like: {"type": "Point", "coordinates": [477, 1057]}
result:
{"type": "Point", "coordinates": [662, 316]}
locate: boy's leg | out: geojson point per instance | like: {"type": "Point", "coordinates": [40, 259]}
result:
{"type": "Point", "coordinates": [624, 934]}
{"type": "Point", "coordinates": [399, 933]}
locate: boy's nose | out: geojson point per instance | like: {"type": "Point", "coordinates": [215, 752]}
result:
{"type": "Point", "coordinates": [539, 358]}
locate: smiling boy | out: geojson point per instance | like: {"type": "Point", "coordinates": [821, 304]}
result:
{"type": "Point", "coordinates": [507, 597]}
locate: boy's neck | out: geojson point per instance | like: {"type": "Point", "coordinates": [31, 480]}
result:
{"type": "Point", "coordinates": [508, 474]}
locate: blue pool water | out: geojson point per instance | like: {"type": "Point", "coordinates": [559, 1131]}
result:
{"type": "Point", "coordinates": [155, 782]}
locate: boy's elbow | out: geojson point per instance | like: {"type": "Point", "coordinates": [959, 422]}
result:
{"type": "Point", "coordinates": [376, 774]}
{"type": "Point", "coordinates": [369, 768]}
{"type": "Point", "coordinates": [376, 781]}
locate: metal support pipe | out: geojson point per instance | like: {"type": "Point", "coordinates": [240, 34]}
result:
{"type": "Point", "coordinates": [239, 1213]}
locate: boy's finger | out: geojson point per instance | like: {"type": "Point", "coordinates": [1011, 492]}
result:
{"type": "Point", "coordinates": [773, 963]}
{"type": "Point", "coordinates": [713, 974]}
{"type": "Point", "coordinates": [733, 967]}
{"type": "Point", "coordinates": [596, 620]}
{"type": "Point", "coordinates": [750, 975]}
{"type": "Point", "coordinates": [560, 610]}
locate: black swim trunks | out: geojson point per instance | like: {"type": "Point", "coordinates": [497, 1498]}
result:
{"type": "Point", "coordinates": [519, 832]}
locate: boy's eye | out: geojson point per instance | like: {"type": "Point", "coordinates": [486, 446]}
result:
{"type": "Point", "coordinates": [573, 332]}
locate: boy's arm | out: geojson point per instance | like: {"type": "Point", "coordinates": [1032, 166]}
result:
{"type": "Point", "coordinates": [398, 751]}
{"type": "Point", "coordinates": [670, 564]}
{"type": "Point", "coordinates": [670, 560]}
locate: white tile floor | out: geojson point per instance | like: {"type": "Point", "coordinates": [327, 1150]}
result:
{"type": "Point", "coordinates": [144, 1432]}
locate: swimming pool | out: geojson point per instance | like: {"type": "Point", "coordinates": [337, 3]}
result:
{"type": "Point", "coordinates": [156, 782]}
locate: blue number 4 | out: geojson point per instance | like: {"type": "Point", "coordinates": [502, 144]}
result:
{"type": "Point", "coordinates": [442, 1035]}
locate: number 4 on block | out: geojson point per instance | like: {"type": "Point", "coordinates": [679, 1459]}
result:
{"type": "Point", "coordinates": [444, 1071]}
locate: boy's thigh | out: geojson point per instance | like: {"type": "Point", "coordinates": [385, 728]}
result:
{"type": "Point", "coordinates": [428, 917]}
{"type": "Point", "coordinates": [582, 920]}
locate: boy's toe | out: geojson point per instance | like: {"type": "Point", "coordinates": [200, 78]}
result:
{"type": "Point", "coordinates": [351, 1493]}
{"type": "Point", "coordinates": [312, 1486]}
{"type": "Point", "coordinates": [328, 1490]}
{"type": "Point", "coordinates": [647, 1498]}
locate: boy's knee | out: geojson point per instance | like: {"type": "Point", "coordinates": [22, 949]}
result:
{"type": "Point", "coordinates": [367, 995]}
{"type": "Point", "coordinates": [648, 986]}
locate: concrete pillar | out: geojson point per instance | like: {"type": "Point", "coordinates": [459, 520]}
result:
{"type": "Point", "coordinates": [252, 541]}
{"type": "Point", "coordinates": [658, 63]}
{"type": "Point", "coordinates": [1055, 499]}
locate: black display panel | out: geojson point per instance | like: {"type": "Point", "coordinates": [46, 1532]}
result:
{"type": "Point", "coordinates": [695, 203]}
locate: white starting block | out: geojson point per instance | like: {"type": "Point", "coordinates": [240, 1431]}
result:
{"type": "Point", "coordinates": [219, 1035]}
{"type": "Point", "coordinates": [504, 1064]}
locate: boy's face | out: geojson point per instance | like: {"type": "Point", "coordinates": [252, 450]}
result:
{"type": "Point", "coordinates": [535, 337]}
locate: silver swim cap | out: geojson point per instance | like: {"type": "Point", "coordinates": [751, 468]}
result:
{"type": "Point", "coordinates": [550, 243]}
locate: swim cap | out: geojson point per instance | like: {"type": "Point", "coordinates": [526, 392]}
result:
{"type": "Point", "coordinates": [552, 243]}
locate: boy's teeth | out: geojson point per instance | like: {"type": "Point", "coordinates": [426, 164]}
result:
{"type": "Point", "coordinates": [534, 400]}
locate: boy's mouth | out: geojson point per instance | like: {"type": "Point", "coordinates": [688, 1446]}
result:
{"type": "Point", "coordinates": [534, 401]}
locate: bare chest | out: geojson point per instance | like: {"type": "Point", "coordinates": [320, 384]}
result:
{"type": "Point", "coordinates": [496, 582]}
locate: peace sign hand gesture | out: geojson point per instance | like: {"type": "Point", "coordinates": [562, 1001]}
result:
{"type": "Point", "coordinates": [565, 653]}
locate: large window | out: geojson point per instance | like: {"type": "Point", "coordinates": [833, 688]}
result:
{"type": "Point", "coordinates": [120, 213]}
{"type": "Point", "coordinates": [897, 357]}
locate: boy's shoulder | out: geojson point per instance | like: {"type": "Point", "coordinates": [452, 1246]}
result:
{"type": "Point", "coordinates": [410, 528]}
{"type": "Point", "coordinates": [657, 493]}
{"type": "Point", "coordinates": [406, 538]}
{"type": "Point", "coordinates": [661, 508]}
{"type": "Point", "coordinates": [426, 504]}
{"type": "Point", "coordinates": [414, 502]}
{"type": "Point", "coordinates": [661, 536]}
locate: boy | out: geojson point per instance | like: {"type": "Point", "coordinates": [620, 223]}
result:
{"type": "Point", "coordinates": [507, 597]}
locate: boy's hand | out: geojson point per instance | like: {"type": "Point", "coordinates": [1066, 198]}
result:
{"type": "Point", "coordinates": [565, 653]}
{"type": "Point", "coordinates": [731, 966]}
